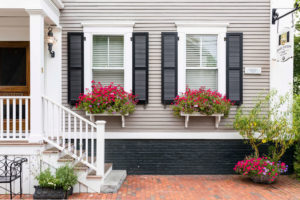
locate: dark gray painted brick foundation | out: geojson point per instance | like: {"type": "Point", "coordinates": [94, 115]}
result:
{"type": "Point", "coordinates": [179, 156]}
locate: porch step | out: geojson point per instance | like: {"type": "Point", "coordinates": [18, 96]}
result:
{"type": "Point", "coordinates": [107, 169]}
{"type": "Point", "coordinates": [113, 181]}
{"type": "Point", "coordinates": [80, 166]}
{"type": "Point", "coordinates": [65, 158]}
{"type": "Point", "coordinates": [51, 150]}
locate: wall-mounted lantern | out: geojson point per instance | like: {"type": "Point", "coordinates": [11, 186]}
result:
{"type": "Point", "coordinates": [50, 41]}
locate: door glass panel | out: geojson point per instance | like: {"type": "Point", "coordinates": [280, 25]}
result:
{"type": "Point", "coordinates": [12, 66]}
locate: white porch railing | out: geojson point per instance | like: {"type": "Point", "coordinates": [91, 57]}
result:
{"type": "Point", "coordinates": [14, 117]}
{"type": "Point", "coordinates": [74, 135]}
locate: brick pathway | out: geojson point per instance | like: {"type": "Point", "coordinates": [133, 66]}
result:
{"type": "Point", "coordinates": [198, 188]}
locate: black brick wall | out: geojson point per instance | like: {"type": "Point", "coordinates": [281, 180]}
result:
{"type": "Point", "coordinates": [179, 156]}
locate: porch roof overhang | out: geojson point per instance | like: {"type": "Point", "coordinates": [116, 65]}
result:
{"type": "Point", "coordinates": [49, 8]}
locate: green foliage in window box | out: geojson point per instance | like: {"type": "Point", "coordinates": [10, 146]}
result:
{"type": "Point", "coordinates": [201, 101]}
{"type": "Point", "coordinates": [107, 99]}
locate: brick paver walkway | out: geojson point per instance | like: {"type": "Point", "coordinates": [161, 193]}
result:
{"type": "Point", "coordinates": [198, 188]}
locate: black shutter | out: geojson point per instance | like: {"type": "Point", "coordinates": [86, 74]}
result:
{"type": "Point", "coordinates": [234, 67]}
{"type": "Point", "coordinates": [140, 66]}
{"type": "Point", "coordinates": [75, 66]}
{"type": "Point", "coordinates": [169, 42]}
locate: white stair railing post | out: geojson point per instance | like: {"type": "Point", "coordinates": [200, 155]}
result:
{"type": "Point", "coordinates": [100, 151]}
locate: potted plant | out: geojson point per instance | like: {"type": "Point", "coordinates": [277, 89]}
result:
{"type": "Point", "coordinates": [55, 187]}
{"type": "Point", "coordinates": [201, 102]}
{"type": "Point", "coordinates": [260, 170]}
{"type": "Point", "coordinates": [67, 178]}
{"type": "Point", "coordinates": [108, 100]}
{"type": "Point", "coordinates": [268, 122]}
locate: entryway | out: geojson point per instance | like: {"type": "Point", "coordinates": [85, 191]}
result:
{"type": "Point", "coordinates": [14, 88]}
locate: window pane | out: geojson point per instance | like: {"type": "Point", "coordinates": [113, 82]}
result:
{"type": "Point", "coordinates": [196, 78]}
{"type": "Point", "coordinates": [108, 51]}
{"type": "Point", "coordinates": [12, 66]}
{"type": "Point", "coordinates": [193, 51]}
{"type": "Point", "coordinates": [100, 51]}
{"type": "Point", "coordinates": [201, 51]}
{"type": "Point", "coordinates": [105, 77]}
{"type": "Point", "coordinates": [116, 51]}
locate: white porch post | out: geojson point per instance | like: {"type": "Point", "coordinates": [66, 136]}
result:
{"type": "Point", "coordinates": [36, 74]}
{"type": "Point", "coordinates": [100, 152]}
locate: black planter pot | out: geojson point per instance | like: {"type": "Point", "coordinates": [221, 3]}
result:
{"type": "Point", "coordinates": [49, 193]}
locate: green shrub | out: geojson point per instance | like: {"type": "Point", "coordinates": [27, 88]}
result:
{"type": "Point", "coordinates": [268, 121]}
{"type": "Point", "coordinates": [47, 180]}
{"type": "Point", "coordinates": [66, 177]}
{"type": "Point", "coordinates": [296, 118]}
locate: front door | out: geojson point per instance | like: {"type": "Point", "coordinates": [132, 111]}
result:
{"type": "Point", "coordinates": [14, 81]}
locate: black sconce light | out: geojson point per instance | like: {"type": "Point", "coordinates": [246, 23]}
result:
{"type": "Point", "coordinates": [50, 41]}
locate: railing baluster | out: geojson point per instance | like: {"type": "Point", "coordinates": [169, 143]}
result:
{"type": "Point", "coordinates": [26, 118]}
{"type": "Point", "coordinates": [58, 114]}
{"type": "Point", "coordinates": [14, 118]}
{"type": "Point", "coordinates": [7, 118]}
{"type": "Point", "coordinates": [20, 119]}
{"type": "Point", "coordinates": [63, 128]}
{"type": "Point", "coordinates": [80, 137]}
{"type": "Point", "coordinates": [75, 135]}
{"type": "Point", "coordinates": [86, 142]}
{"type": "Point", "coordinates": [1, 118]}
{"type": "Point", "coordinates": [92, 145]}
{"type": "Point", "coordinates": [69, 131]}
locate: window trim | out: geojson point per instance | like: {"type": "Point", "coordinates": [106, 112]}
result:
{"type": "Point", "coordinates": [124, 29]}
{"type": "Point", "coordinates": [219, 29]}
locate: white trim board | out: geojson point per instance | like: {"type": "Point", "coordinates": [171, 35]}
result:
{"type": "Point", "coordinates": [107, 28]}
{"type": "Point", "coordinates": [219, 29]}
{"type": "Point", "coordinates": [173, 135]}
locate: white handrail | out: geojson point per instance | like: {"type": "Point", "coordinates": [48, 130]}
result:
{"type": "Point", "coordinates": [14, 117]}
{"type": "Point", "coordinates": [74, 135]}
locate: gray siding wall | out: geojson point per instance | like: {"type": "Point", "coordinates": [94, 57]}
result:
{"type": "Point", "coordinates": [252, 17]}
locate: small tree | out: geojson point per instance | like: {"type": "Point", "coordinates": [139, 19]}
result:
{"type": "Point", "coordinates": [265, 123]}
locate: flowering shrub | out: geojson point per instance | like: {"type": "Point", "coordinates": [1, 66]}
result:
{"type": "Point", "coordinates": [262, 167]}
{"type": "Point", "coordinates": [111, 99]}
{"type": "Point", "coordinates": [202, 101]}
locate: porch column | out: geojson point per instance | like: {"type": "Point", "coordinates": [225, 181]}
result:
{"type": "Point", "coordinates": [36, 74]}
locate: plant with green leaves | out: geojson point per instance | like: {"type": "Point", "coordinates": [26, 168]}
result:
{"type": "Point", "coordinates": [47, 180]}
{"type": "Point", "coordinates": [268, 121]}
{"type": "Point", "coordinates": [66, 177]}
{"type": "Point", "coordinates": [296, 118]}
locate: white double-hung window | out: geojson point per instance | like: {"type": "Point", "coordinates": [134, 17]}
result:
{"type": "Point", "coordinates": [201, 61]}
{"type": "Point", "coordinates": [201, 56]}
{"type": "Point", "coordinates": [108, 53]}
{"type": "Point", "coordinates": [108, 59]}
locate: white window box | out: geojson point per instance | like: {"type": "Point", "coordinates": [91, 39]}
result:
{"type": "Point", "coordinates": [187, 117]}
{"type": "Point", "coordinates": [92, 116]}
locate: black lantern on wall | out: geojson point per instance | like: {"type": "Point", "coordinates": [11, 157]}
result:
{"type": "Point", "coordinates": [50, 41]}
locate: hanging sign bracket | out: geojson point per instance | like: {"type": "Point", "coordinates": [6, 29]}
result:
{"type": "Point", "coordinates": [275, 15]}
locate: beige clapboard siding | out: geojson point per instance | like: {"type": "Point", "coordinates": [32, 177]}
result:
{"type": "Point", "coordinates": [248, 16]}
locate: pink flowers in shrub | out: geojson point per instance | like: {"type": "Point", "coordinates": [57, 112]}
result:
{"type": "Point", "coordinates": [202, 101]}
{"type": "Point", "coordinates": [111, 99]}
{"type": "Point", "coordinates": [261, 166]}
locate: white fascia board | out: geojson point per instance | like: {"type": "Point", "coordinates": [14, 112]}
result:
{"type": "Point", "coordinates": [173, 135]}
{"type": "Point", "coordinates": [59, 4]}
{"type": "Point", "coordinates": [105, 27]}
{"type": "Point", "coordinates": [47, 7]}
{"type": "Point", "coordinates": [193, 24]}
{"type": "Point", "coordinates": [108, 24]}
{"type": "Point", "coordinates": [51, 11]}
